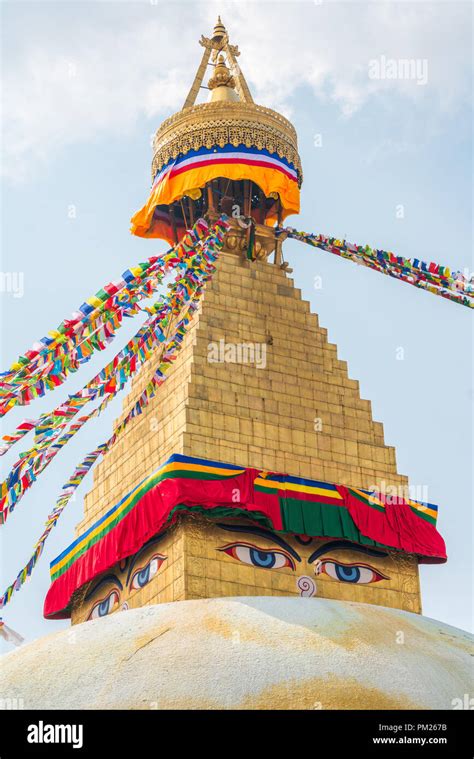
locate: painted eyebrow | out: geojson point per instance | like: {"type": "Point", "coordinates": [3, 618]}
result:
{"type": "Point", "coordinates": [262, 533]}
{"type": "Point", "coordinates": [137, 555]}
{"type": "Point", "coordinates": [344, 545]}
{"type": "Point", "coordinates": [109, 578]}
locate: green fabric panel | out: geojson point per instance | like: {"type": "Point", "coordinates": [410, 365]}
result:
{"type": "Point", "coordinates": [313, 515]}
{"type": "Point", "coordinates": [321, 520]}
{"type": "Point", "coordinates": [348, 526]}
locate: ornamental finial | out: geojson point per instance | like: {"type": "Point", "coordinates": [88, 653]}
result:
{"type": "Point", "coordinates": [219, 30]}
{"type": "Point", "coordinates": [222, 78]}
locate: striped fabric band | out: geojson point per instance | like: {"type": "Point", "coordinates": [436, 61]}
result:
{"type": "Point", "coordinates": [227, 155]}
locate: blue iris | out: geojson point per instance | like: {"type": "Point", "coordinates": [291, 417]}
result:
{"type": "Point", "coordinates": [347, 574]}
{"type": "Point", "coordinates": [143, 576]}
{"type": "Point", "coordinates": [262, 558]}
{"type": "Point", "coordinates": [104, 607]}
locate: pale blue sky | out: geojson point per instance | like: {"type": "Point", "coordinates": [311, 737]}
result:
{"type": "Point", "coordinates": [86, 84]}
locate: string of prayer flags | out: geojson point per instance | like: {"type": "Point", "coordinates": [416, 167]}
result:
{"type": "Point", "coordinates": [202, 263]}
{"type": "Point", "coordinates": [21, 431]}
{"type": "Point", "coordinates": [434, 278]}
{"type": "Point", "coordinates": [50, 360]}
{"type": "Point", "coordinates": [110, 381]}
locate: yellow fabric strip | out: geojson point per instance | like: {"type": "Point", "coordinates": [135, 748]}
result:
{"type": "Point", "coordinates": [180, 466]}
{"type": "Point", "coordinates": [293, 486]}
{"type": "Point", "coordinates": [189, 182]}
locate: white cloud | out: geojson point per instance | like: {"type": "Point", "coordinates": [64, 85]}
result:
{"type": "Point", "coordinates": [85, 71]}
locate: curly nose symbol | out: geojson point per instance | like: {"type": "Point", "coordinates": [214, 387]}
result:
{"type": "Point", "coordinates": [306, 586]}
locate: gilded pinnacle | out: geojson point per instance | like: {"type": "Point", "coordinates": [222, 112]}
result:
{"type": "Point", "coordinates": [222, 76]}
{"type": "Point", "coordinates": [219, 29]}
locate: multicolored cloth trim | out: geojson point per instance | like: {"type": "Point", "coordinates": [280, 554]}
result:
{"type": "Point", "coordinates": [278, 501]}
{"type": "Point", "coordinates": [189, 173]}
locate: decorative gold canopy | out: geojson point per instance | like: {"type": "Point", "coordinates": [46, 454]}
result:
{"type": "Point", "coordinates": [230, 117]}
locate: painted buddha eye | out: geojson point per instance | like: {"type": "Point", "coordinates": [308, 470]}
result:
{"type": "Point", "coordinates": [258, 557]}
{"type": "Point", "coordinates": [143, 576]}
{"type": "Point", "coordinates": [361, 574]}
{"type": "Point", "coordinates": [104, 607]}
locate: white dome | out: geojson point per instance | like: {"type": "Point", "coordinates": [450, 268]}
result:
{"type": "Point", "coordinates": [248, 653]}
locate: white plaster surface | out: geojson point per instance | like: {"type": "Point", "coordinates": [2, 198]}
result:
{"type": "Point", "coordinates": [258, 653]}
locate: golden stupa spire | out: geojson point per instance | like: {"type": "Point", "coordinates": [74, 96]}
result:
{"type": "Point", "coordinates": [228, 120]}
{"type": "Point", "coordinates": [216, 48]}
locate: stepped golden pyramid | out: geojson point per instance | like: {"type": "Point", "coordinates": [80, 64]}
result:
{"type": "Point", "coordinates": [267, 618]}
